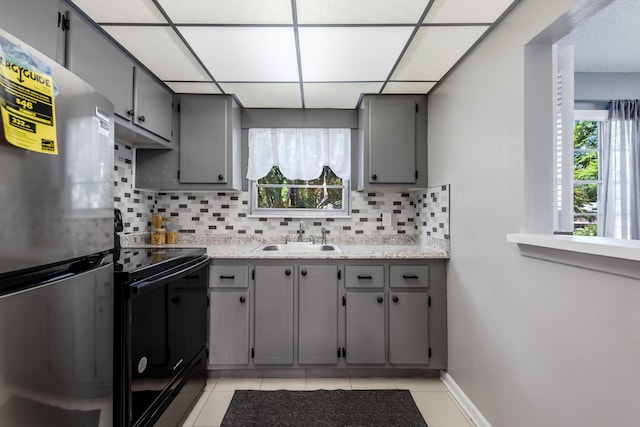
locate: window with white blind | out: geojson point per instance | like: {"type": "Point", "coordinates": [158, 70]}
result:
{"type": "Point", "coordinates": [299, 172]}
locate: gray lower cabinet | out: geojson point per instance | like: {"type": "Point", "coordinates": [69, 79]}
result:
{"type": "Point", "coordinates": [228, 327]}
{"type": "Point", "coordinates": [326, 314]}
{"type": "Point", "coordinates": [365, 331]}
{"type": "Point", "coordinates": [318, 314]}
{"type": "Point", "coordinates": [229, 315]}
{"type": "Point", "coordinates": [273, 323]}
{"type": "Point", "coordinates": [408, 327]}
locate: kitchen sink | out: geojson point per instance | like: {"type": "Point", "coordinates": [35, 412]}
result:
{"type": "Point", "coordinates": [298, 247]}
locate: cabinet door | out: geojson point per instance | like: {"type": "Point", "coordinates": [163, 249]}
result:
{"type": "Point", "coordinates": [408, 327]}
{"type": "Point", "coordinates": [365, 327]}
{"type": "Point", "coordinates": [153, 105]}
{"type": "Point", "coordinates": [35, 22]}
{"type": "Point", "coordinates": [318, 314]}
{"type": "Point", "coordinates": [229, 328]}
{"type": "Point", "coordinates": [92, 57]}
{"type": "Point", "coordinates": [392, 141]}
{"type": "Point", "coordinates": [204, 137]}
{"type": "Point", "coordinates": [273, 315]}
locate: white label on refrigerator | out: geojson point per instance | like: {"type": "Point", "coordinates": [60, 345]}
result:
{"type": "Point", "coordinates": [101, 126]}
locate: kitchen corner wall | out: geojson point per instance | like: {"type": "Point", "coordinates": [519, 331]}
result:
{"type": "Point", "coordinates": [417, 217]}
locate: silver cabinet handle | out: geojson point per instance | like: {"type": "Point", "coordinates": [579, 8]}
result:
{"type": "Point", "coordinates": [178, 364]}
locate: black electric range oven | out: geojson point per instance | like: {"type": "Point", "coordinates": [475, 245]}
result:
{"type": "Point", "coordinates": [160, 334]}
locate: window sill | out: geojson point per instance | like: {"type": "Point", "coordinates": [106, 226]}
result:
{"type": "Point", "coordinates": [613, 256]}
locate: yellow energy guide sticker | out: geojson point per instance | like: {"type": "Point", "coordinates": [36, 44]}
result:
{"type": "Point", "coordinates": [26, 101]}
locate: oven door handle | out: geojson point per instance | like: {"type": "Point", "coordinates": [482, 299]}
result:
{"type": "Point", "coordinates": [162, 278]}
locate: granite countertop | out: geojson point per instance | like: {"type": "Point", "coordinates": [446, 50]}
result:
{"type": "Point", "coordinates": [230, 248]}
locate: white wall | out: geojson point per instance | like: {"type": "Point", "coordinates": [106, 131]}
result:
{"type": "Point", "coordinates": [607, 86]}
{"type": "Point", "coordinates": [531, 343]}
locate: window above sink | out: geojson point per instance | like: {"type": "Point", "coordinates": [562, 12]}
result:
{"type": "Point", "coordinates": [299, 172]}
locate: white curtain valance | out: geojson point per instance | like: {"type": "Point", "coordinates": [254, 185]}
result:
{"type": "Point", "coordinates": [299, 153]}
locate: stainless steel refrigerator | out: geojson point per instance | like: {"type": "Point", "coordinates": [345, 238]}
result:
{"type": "Point", "coordinates": [56, 269]}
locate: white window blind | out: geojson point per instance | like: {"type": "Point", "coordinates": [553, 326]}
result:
{"type": "Point", "coordinates": [563, 179]}
{"type": "Point", "coordinates": [299, 153]}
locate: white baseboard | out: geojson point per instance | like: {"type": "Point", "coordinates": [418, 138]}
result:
{"type": "Point", "coordinates": [467, 405]}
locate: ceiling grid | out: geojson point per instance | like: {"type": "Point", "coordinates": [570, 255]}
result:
{"type": "Point", "coordinates": [297, 53]}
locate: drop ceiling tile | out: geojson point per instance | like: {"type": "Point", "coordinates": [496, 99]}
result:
{"type": "Point", "coordinates": [160, 50]}
{"type": "Point", "coordinates": [434, 50]}
{"type": "Point", "coordinates": [265, 95]}
{"type": "Point", "coordinates": [121, 11]}
{"type": "Point", "coordinates": [194, 87]}
{"type": "Point", "coordinates": [350, 53]}
{"type": "Point", "coordinates": [360, 11]}
{"type": "Point", "coordinates": [245, 54]}
{"type": "Point", "coordinates": [408, 87]}
{"type": "Point", "coordinates": [337, 95]}
{"type": "Point", "coordinates": [466, 11]}
{"type": "Point", "coordinates": [228, 11]}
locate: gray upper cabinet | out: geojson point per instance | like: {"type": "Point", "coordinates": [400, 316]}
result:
{"type": "Point", "coordinates": [392, 142]}
{"type": "Point", "coordinates": [95, 59]}
{"type": "Point", "coordinates": [210, 154]}
{"type": "Point", "coordinates": [34, 22]}
{"type": "Point", "coordinates": [153, 105]}
{"type": "Point", "coordinates": [210, 141]}
{"type": "Point", "coordinates": [318, 314]}
{"type": "Point", "coordinates": [143, 107]}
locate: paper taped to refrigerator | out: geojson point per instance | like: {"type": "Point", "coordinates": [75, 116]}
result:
{"type": "Point", "coordinates": [27, 97]}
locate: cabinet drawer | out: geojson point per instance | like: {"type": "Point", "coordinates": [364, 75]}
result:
{"type": "Point", "coordinates": [409, 276]}
{"type": "Point", "coordinates": [229, 276]}
{"type": "Point", "coordinates": [364, 276]}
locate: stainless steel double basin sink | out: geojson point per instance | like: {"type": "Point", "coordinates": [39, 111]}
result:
{"type": "Point", "coordinates": [298, 247]}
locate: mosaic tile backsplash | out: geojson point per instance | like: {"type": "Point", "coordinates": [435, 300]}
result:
{"type": "Point", "coordinates": [418, 216]}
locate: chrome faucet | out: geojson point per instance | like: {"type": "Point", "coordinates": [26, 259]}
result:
{"type": "Point", "coordinates": [324, 236]}
{"type": "Point", "coordinates": [301, 231]}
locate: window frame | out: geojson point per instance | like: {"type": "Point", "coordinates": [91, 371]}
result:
{"type": "Point", "coordinates": [599, 116]}
{"type": "Point", "coordinates": [255, 211]}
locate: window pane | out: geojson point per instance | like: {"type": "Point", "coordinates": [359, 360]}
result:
{"type": "Point", "coordinates": [586, 168]}
{"type": "Point", "coordinates": [585, 225]}
{"type": "Point", "coordinates": [585, 198]}
{"type": "Point", "coordinates": [276, 177]}
{"type": "Point", "coordinates": [277, 192]}
{"type": "Point", "coordinates": [299, 198]}
{"type": "Point", "coordinates": [585, 154]}
{"type": "Point", "coordinates": [276, 198]}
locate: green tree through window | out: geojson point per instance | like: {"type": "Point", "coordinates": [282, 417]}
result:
{"type": "Point", "coordinates": [275, 191]}
{"type": "Point", "coordinates": [586, 178]}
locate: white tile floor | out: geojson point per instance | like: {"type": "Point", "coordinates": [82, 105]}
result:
{"type": "Point", "coordinates": [436, 404]}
